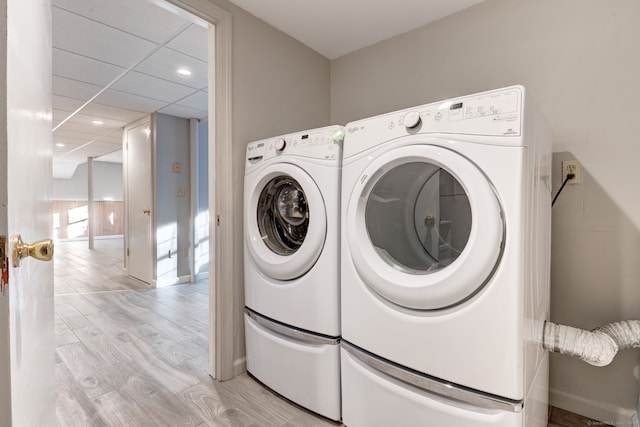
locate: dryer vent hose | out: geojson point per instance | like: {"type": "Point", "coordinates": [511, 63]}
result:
{"type": "Point", "coordinates": [597, 347]}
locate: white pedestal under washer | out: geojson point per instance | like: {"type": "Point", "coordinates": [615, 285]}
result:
{"type": "Point", "coordinates": [291, 266]}
{"type": "Point", "coordinates": [445, 263]}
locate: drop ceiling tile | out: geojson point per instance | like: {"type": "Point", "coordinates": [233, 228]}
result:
{"type": "Point", "coordinates": [58, 116]}
{"type": "Point", "coordinates": [152, 87]}
{"type": "Point", "coordinates": [128, 101]}
{"type": "Point", "coordinates": [82, 69]}
{"type": "Point", "coordinates": [75, 138]}
{"type": "Point", "coordinates": [86, 120]}
{"type": "Point", "coordinates": [193, 42]}
{"type": "Point", "coordinates": [69, 143]}
{"type": "Point", "coordinates": [141, 18]}
{"type": "Point", "coordinates": [63, 103]}
{"type": "Point", "coordinates": [184, 112]}
{"type": "Point", "coordinates": [96, 149]}
{"type": "Point", "coordinates": [73, 88]}
{"type": "Point", "coordinates": [198, 101]}
{"type": "Point", "coordinates": [165, 62]}
{"type": "Point", "coordinates": [94, 40]}
{"type": "Point", "coordinates": [107, 112]}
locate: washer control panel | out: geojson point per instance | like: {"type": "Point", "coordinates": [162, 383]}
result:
{"type": "Point", "coordinates": [321, 144]}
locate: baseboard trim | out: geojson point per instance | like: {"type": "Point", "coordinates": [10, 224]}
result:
{"type": "Point", "coordinates": [172, 281]}
{"type": "Point", "coordinates": [239, 366]}
{"type": "Point", "coordinates": [603, 412]}
{"type": "Point", "coordinates": [202, 276]}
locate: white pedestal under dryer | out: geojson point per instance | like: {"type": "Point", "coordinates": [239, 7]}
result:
{"type": "Point", "coordinates": [291, 266]}
{"type": "Point", "coordinates": [446, 212]}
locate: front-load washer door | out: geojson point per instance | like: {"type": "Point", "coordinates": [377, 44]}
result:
{"type": "Point", "coordinates": [424, 227]}
{"type": "Point", "coordinates": [286, 222]}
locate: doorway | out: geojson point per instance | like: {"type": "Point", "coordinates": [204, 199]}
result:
{"type": "Point", "coordinates": [218, 36]}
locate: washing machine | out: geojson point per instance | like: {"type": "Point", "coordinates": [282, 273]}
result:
{"type": "Point", "coordinates": [445, 264]}
{"type": "Point", "coordinates": [291, 266]}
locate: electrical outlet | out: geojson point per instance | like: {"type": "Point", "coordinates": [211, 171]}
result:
{"type": "Point", "coordinates": [571, 166]}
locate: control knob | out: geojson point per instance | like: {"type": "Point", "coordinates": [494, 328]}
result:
{"type": "Point", "coordinates": [280, 144]}
{"type": "Point", "coordinates": [411, 119]}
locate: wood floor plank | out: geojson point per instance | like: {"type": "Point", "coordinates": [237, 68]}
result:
{"type": "Point", "coordinates": [103, 349]}
{"type": "Point", "coordinates": [132, 305]}
{"type": "Point", "coordinates": [85, 369]}
{"type": "Point", "coordinates": [159, 404]}
{"type": "Point", "coordinates": [212, 408]}
{"type": "Point", "coordinates": [121, 411]}
{"type": "Point", "coordinates": [82, 304]}
{"type": "Point", "coordinates": [172, 376]}
{"type": "Point", "coordinates": [274, 409]}
{"type": "Point", "coordinates": [72, 317]}
{"type": "Point", "coordinates": [174, 352]}
{"type": "Point", "coordinates": [64, 335]}
{"type": "Point", "coordinates": [73, 407]}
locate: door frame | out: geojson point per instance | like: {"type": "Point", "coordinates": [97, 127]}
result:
{"type": "Point", "coordinates": [221, 220]}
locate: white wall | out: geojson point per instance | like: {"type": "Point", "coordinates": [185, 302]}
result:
{"type": "Point", "coordinates": [107, 183]}
{"type": "Point", "coordinates": [580, 60]}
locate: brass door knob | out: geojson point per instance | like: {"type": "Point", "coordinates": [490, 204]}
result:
{"type": "Point", "coordinates": [41, 250]}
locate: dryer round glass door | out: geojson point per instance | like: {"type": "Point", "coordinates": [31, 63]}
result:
{"type": "Point", "coordinates": [285, 222]}
{"type": "Point", "coordinates": [424, 227]}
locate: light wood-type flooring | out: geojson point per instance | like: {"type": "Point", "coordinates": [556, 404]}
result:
{"type": "Point", "coordinates": [131, 355]}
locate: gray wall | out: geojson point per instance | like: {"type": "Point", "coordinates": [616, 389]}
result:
{"type": "Point", "coordinates": [107, 183]}
{"type": "Point", "coordinates": [580, 60]}
{"type": "Point", "coordinates": [279, 86]}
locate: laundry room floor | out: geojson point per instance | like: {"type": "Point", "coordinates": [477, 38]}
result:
{"type": "Point", "coordinates": [128, 354]}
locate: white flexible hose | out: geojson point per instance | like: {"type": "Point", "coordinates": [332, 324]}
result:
{"type": "Point", "coordinates": [597, 347]}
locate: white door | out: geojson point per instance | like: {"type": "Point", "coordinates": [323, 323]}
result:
{"type": "Point", "coordinates": [139, 201]}
{"type": "Point", "coordinates": [27, 349]}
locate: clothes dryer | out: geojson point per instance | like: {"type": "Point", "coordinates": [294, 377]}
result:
{"type": "Point", "coordinates": [291, 266]}
{"type": "Point", "coordinates": [445, 264]}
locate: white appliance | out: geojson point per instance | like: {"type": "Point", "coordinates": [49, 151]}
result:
{"type": "Point", "coordinates": [445, 264]}
{"type": "Point", "coordinates": [291, 266]}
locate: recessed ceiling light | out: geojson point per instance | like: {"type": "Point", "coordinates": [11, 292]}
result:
{"type": "Point", "coordinates": [184, 72]}
{"type": "Point", "coordinates": [98, 122]}
{"type": "Point", "coordinates": [59, 144]}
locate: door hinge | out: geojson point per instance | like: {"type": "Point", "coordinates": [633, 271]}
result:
{"type": "Point", "coordinates": [4, 264]}
{"type": "Point", "coordinates": [127, 251]}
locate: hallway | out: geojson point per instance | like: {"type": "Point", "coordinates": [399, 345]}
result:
{"type": "Point", "coordinates": [130, 355]}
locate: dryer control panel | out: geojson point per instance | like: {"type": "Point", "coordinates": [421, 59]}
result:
{"type": "Point", "coordinates": [322, 144]}
{"type": "Point", "coordinates": [497, 113]}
